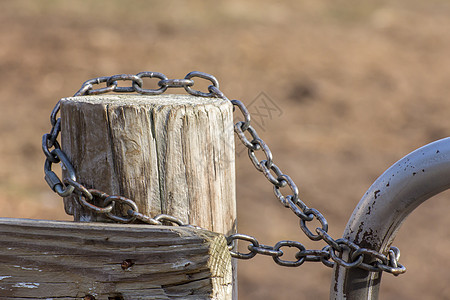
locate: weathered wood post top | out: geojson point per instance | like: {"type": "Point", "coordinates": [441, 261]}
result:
{"type": "Point", "coordinates": [171, 154]}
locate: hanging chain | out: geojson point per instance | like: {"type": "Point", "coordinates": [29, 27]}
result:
{"type": "Point", "coordinates": [330, 255]}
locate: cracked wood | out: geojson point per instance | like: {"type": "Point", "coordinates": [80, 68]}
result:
{"type": "Point", "coordinates": [171, 154]}
{"type": "Point", "coordinates": [42, 259]}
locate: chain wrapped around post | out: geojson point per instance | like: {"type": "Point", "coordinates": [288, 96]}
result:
{"type": "Point", "coordinates": [329, 255]}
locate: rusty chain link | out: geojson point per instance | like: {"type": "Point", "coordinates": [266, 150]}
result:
{"type": "Point", "coordinates": [330, 255]}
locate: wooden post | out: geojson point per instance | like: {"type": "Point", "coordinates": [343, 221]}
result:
{"type": "Point", "coordinates": [171, 154]}
{"type": "Point", "coordinates": [42, 259]}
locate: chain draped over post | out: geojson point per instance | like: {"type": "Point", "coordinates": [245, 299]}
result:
{"type": "Point", "coordinates": [329, 255]}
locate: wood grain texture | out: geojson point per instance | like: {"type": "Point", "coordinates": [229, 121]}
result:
{"type": "Point", "coordinates": [64, 260]}
{"type": "Point", "coordinates": [171, 154]}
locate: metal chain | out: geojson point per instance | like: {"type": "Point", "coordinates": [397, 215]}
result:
{"type": "Point", "coordinates": [330, 255]}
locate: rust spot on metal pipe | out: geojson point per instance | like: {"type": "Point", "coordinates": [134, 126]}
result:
{"type": "Point", "coordinates": [376, 193]}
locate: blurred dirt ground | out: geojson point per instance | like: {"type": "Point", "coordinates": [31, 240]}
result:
{"type": "Point", "coordinates": [359, 84]}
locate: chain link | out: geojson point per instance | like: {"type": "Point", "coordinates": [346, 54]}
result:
{"type": "Point", "coordinates": [330, 255]}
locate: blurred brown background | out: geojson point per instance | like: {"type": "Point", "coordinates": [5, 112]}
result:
{"type": "Point", "coordinates": [359, 83]}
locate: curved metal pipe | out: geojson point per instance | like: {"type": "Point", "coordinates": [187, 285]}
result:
{"type": "Point", "coordinates": [381, 211]}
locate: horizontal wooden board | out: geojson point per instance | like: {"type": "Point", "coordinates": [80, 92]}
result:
{"type": "Point", "coordinates": [68, 260]}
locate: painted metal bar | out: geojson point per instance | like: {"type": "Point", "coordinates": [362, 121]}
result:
{"type": "Point", "coordinates": [381, 211]}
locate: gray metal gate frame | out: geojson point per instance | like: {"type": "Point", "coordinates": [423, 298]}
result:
{"type": "Point", "coordinates": [378, 216]}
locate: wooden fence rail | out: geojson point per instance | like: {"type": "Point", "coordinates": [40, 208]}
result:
{"type": "Point", "coordinates": [42, 259]}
